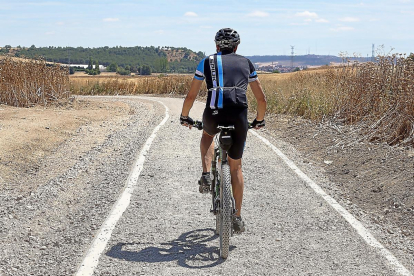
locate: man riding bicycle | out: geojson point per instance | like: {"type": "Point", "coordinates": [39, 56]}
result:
{"type": "Point", "coordinates": [227, 76]}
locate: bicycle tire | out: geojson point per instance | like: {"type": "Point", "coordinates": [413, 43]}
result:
{"type": "Point", "coordinates": [217, 232]}
{"type": "Point", "coordinates": [225, 211]}
{"type": "Point", "coordinates": [215, 193]}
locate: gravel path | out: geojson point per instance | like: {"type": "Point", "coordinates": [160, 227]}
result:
{"type": "Point", "coordinates": [167, 229]}
{"type": "Point", "coordinates": [47, 232]}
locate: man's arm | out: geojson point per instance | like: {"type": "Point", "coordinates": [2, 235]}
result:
{"type": "Point", "coordinates": [191, 96]}
{"type": "Point", "coordinates": [260, 98]}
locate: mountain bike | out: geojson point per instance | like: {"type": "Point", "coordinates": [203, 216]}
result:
{"type": "Point", "coordinates": [223, 203]}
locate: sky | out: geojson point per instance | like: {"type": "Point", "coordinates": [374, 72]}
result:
{"type": "Point", "coordinates": [266, 27]}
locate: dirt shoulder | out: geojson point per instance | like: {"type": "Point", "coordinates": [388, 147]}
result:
{"type": "Point", "coordinates": [28, 135]}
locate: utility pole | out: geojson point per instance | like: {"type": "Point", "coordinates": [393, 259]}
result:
{"type": "Point", "coordinates": [373, 52]}
{"type": "Point", "coordinates": [292, 53]}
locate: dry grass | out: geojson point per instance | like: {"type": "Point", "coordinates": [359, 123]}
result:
{"type": "Point", "coordinates": [378, 94]}
{"type": "Point", "coordinates": [117, 85]}
{"type": "Point", "coordinates": [30, 82]}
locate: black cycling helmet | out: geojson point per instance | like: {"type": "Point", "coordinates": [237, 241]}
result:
{"type": "Point", "coordinates": [227, 38]}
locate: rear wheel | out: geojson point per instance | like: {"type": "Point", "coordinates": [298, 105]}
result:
{"type": "Point", "coordinates": [217, 224]}
{"type": "Point", "coordinates": [225, 211]}
{"type": "Point", "coordinates": [215, 190]}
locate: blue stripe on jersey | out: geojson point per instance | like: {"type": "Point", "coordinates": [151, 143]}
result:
{"type": "Point", "coordinates": [199, 78]}
{"type": "Point", "coordinates": [221, 82]}
{"type": "Point", "coordinates": [252, 75]}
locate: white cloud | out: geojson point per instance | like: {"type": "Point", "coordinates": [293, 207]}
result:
{"type": "Point", "coordinates": [49, 33]}
{"type": "Point", "coordinates": [342, 29]}
{"type": "Point", "coordinates": [60, 23]}
{"type": "Point", "coordinates": [258, 14]}
{"type": "Point", "coordinates": [307, 14]}
{"type": "Point", "coordinates": [190, 14]}
{"type": "Point", "coordinates": [110, 19]}
{"type": "Point", "coordinates": [349, 19]}
{"type": "Point", "coordinates": [311, 17]}
{"type": "Point", "coordinates": [160, 32]}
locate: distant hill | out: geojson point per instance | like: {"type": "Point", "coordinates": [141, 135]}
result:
{"type": "Point", "coordinates": [160, 59]}
{"type": "Point", "coordinates": [166, 59]}
{"type": "Point", "coordinates": [305, 60]}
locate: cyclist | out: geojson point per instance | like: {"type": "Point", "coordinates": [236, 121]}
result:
{"type": "Point", "coordinates": [227, 76]}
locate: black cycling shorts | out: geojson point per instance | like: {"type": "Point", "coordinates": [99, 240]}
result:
{"type": "Point", "coordinates": [229, 116]}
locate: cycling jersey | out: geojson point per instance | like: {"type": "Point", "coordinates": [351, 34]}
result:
{"type": "Point", "coordinates": [226, 100]}
{"type": "Point", "coordinates": [227, 87]}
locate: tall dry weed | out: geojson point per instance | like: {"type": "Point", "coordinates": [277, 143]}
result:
{"type": "Point", "coordinates": [379, 94]}
{"type": "Point", "coordinates": [172, 85]}
{"type": "Point", "coordinates": [26, 83]}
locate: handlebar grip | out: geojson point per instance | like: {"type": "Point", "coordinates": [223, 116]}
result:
{"type": "Point", "coordinates": [198, 125]}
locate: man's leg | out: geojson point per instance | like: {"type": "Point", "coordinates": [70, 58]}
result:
{"type": "Point", "coordinates": [237, 182]}
{"type": "Point", "coordinates": [207, 151]}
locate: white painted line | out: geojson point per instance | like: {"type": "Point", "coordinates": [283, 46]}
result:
{"type": "Point", "coordinates": [361, 230]}
{"type": "Point", "coordinates": [104, 234]}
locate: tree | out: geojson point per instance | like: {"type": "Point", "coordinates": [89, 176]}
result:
{"type": "Point", "coordinates": [134, 69]}
{"type": "Point", "coordinates": [145, 70]}
{"type": "Point", "coordinates": [123, 72]}
{"type": "Point", "coordinates": [97, 68]}
{"type": "Point", "coordinates": [162, 65]}
{"type": "Point", "coordinates": [136, 56]}
{"type": "Point", "coordinates": [112, 67]}
{"type": "Point", "coordinates": [90, 64]}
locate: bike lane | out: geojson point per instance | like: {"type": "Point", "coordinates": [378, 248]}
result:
{"type": "Point", "coordinates": [168, 230]}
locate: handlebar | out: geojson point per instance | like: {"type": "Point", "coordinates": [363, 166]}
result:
{"type": "Point", "coordinates": [199, 125]}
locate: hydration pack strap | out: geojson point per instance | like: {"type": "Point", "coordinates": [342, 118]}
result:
{"type": "Point", "coordinates": [214, 79]}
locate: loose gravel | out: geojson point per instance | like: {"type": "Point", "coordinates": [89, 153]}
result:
{"type": "Point", "coordinates": [47, 231]}
{"type": "Point", "coordinates": [168, 229]}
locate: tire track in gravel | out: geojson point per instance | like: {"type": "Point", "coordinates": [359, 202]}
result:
{"type": "Point", "coordinates": [167, 230]}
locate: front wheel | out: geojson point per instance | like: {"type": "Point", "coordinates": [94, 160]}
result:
{"type": "Point", "coordinates": [225, 211]}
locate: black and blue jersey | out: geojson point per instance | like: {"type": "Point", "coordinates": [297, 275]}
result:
{"type": "Point", "coordinates": [227, 87]}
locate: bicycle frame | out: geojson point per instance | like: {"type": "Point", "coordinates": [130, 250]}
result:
{"type": "Point", "coordinates": [223, 203]}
